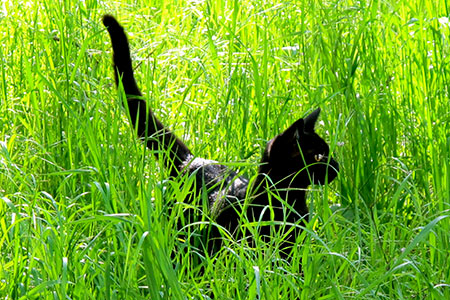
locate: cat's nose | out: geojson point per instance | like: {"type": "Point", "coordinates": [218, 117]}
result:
{"type": "Point", "coordinates": [333, 169]}
{"type": "Point", "coordinates": [335, 165]}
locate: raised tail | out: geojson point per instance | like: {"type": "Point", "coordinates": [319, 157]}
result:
{"type": "Point", "coordinates": [157, 136]}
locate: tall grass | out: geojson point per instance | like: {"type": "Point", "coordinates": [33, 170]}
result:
{"type": "Point", "coordinates": [86, 212]}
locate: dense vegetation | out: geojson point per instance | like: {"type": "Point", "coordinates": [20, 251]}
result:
{"type": "Point", "coordinates": [86, 212]}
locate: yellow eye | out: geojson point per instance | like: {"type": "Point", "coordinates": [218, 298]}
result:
{"type": "Point", "coordinates": [318, 157]}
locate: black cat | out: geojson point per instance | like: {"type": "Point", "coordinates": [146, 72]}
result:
{"type": "Point", "coordinates": [291, 162]}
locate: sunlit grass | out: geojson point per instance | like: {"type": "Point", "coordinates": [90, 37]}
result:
{"type": "Point", "coordinates": [87, 213]}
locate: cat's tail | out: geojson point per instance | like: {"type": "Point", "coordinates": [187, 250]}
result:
{"type": "Point", "coordinates": [157, 136]}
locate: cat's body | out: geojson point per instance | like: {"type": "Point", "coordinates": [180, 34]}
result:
{"type": "Point", "coordinates": [291, 161]}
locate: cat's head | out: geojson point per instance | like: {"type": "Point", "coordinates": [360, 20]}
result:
{"type": "Point", "coordinates": [300, 155]}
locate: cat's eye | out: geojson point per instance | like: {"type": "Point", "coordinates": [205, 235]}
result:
{"type": "Point", "coordinates": [318, 157]}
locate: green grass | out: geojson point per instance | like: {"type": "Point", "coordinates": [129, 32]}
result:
{"type": "Point", "coordinates": [86, 212]}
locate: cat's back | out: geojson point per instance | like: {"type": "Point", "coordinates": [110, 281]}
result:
{"type": "Point", "coordinates": [223, 185]}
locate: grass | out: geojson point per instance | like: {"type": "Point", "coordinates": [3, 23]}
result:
{"type": "Point", "coordinates": [86, 212]}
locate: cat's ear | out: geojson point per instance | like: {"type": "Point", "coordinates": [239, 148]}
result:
{"type": "Point", "coordinates": [291, 135]}
{"type": "Point", "coordinates": [282, 143]}
{"type": "Point", "coordinates": [301, 126]}
{"type": "Point", "coordinates": [310, 120]}
{"type": "Point", "coordinates": [295, 131]}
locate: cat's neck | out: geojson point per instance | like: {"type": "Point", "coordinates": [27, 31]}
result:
{"type": "Point", "coordinates": [289, 188]}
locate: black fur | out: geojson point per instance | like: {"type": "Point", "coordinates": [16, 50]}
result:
{"type": "Point", "coordinates": [291, 161]}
